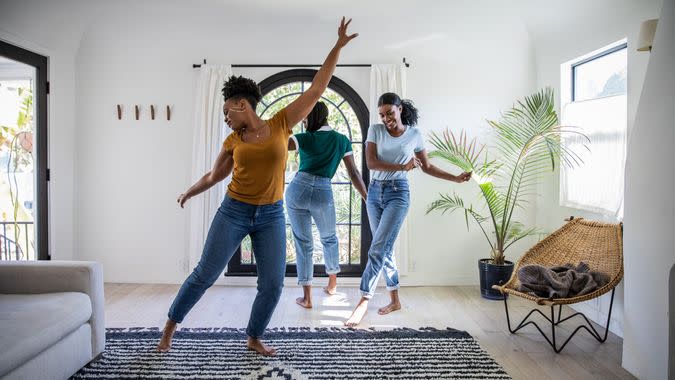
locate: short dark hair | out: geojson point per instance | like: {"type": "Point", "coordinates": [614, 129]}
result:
{"type": "Point", "coordinates": [242, 88]}
{"type": "Point", "coordinates": [409, 113]}
{"type": "Point", "coordinates": [318, 117]}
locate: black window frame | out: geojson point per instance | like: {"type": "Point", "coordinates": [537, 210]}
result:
{"type": "Point", "coordinates": [235, 267]}
{"type": "Point", "coordinates": [601, 54]}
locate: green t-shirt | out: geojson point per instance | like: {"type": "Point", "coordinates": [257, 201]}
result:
{"type": "Point", "coordinates": [321, 151]}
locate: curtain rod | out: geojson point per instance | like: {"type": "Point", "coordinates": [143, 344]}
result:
{"type": "Point", "coordinates": [197, 65]}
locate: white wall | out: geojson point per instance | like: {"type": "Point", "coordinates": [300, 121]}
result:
{"type": "Point", "coordinates": [649, 238]}
{"type": "Point", "coordinates": [570, 35]}
{"type": "Point", "coordinates": [130, 172]}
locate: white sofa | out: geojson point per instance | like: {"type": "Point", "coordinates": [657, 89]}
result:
{"type": "Point", "coordinates": [51, 318]}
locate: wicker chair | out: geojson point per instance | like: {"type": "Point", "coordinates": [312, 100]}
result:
{"type": "Point", "coordinates": [600, 245]}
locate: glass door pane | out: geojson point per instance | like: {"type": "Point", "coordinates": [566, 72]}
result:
{"type": "Point", "coordinates": [17, 161]}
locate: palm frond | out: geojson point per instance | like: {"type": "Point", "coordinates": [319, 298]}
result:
{"type": "Point", "coordinates": [529, 138]}
{"type": "Point", "coordinates": [452, 203]}
{"type": "Point", "coordinates": [457, 150]}
{"type": "Point", "coordinates": [518, 231]}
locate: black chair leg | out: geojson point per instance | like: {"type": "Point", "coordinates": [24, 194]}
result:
{"type": "Point", "coordinates": [588, 325]}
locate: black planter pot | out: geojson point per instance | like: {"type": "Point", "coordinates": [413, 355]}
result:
{"type": "Point", "coordinates": [491, 274]}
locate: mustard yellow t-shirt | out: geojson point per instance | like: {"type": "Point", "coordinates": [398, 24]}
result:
{"type": "Point", "coordinates": [259, 168]}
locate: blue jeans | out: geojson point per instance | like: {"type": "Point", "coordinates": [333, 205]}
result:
{"type": "Point", "coordinates": [234, 220]}
{"type": "Point", "coordinates": [387, 206]}
{"type": "Point", "coordinates": [309, 196]}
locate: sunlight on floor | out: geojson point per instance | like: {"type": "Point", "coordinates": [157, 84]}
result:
{"type": "Point", "coordinates": [336, 300]}
{"type": "Point", "coordinates": [336, 313]}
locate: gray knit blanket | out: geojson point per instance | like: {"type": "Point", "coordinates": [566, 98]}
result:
{"type": "Point", "coordinates": [560, 281]}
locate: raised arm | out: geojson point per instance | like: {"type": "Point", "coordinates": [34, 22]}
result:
{"type": "Point", "coordinates": [221, 169]}
{"type": "Point", "coordinates": [300, 107]}
{"type": "Point", "coordinates": [375, 163]}
{"type": "Point", "coordinates": [355, 176]}
{"type": "Point", "coordinates": [432, 170]}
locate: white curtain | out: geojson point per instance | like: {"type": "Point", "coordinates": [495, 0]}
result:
{"type": "Point", "coordinates": [391, 78]}
{"type": "Point", "coordinates": [209, 134]}
{"type": "Point", "coordinates": [385, 78]}
{"type": "Point", "coordinates": [598, 184]}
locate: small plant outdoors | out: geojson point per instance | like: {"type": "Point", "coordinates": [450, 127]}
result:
{"type": "Point", "coordinates": [528, 143]}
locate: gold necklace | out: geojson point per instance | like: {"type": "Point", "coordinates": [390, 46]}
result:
{"type": "Point", "coordinates": [257, 133]}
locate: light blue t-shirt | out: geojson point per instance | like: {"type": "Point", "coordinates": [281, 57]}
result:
{"type": "Point", "coordinates": [394, 150]}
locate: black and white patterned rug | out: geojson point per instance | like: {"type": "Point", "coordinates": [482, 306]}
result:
{"type": "Point", "coordinates": [303, 353]}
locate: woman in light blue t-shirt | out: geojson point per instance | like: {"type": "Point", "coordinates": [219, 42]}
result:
{"type": "Point", "coordinates": [392, 149]}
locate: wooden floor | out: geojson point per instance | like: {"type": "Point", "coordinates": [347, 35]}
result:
{"type": "Point", "coordinates": [525, 355]}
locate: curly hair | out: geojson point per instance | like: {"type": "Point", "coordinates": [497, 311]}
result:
{"type": "Point", "coordinates": [409, 113]}
{"type": "Point", "coordinates": [242, 88]}
{"type": "Point", "coordinates": [318, 117]}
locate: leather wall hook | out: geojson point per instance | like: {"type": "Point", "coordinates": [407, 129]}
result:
{"type": "Point", "coordinates": [152, 112]}
{"type": "Point", "coordinates": [168, 113]}
{"type": "Point", "coordinates": [119, 112]}
{"type": "Point", "coordinates": [138, 112]}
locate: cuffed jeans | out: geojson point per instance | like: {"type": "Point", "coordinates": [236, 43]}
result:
{"type": "Point", "coordinates": [387, 206]}
{"type": "Point", "coordinates": [266, 226]}
{"type": "Point", "coordinates": [309, 196]}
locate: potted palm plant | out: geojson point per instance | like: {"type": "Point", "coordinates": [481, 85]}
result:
{"type": "Point", "coordinates": [527, 143]}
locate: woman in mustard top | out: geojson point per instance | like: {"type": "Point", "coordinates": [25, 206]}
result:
{"type": "Point", "coordinates": [255, 154]}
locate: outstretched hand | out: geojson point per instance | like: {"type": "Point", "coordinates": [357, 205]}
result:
{"type": "Point", "coordinates": [463, 177]}
{"type": "Point", "coordinates": [343, 38]}
{"type": "Point", "coordinates": [182, 199]}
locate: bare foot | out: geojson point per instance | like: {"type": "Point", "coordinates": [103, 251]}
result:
{"type": "Point", "coordinates": [167, 335]}
{"type": "Point", "coordinates": [393, 306]}
{"type": "Point", "coordinates": [258, 346]}
{"type": "Point", "coordinates": [358, 313]}
{"type": "Point", "coordinates": [306, 299]}
{"type": "Point", "coordinates": [394, 303]}
{"type": "Point", "coordinates": [304, 302]}
{"type": "Point", "coordinates": [331, 289]}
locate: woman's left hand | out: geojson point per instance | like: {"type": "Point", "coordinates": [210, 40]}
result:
{"type": "Point", "coordinates": [463, 177]}
{"type": "Point", "coordinates": [182, 199]}
{"type": "Point", "coordinates": [343, 38]}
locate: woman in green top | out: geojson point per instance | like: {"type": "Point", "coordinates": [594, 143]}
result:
{"type": "Point", "coordinates": [309, 195]}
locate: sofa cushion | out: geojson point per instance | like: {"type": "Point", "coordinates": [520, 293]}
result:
{"type": "Point", "coordinates": [31, 323]}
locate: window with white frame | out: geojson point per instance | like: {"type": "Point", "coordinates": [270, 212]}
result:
{"type": "Point", "coordinates": [593, 97]}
